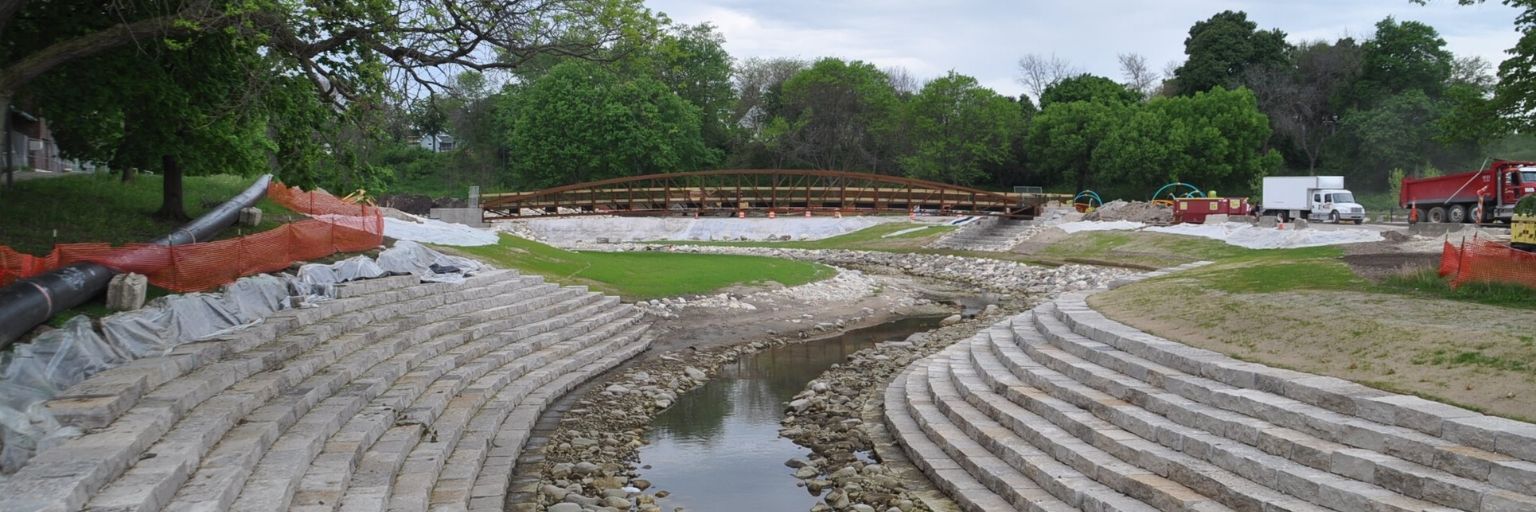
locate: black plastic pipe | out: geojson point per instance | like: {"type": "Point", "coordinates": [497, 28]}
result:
{"type": "Point", "coordinates": [32, 301]}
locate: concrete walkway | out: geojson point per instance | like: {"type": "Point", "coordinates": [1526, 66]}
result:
{"type": "Point", "coordinates": [1061, 408]}
{"type": "Point", "coordinates": [399, 396]}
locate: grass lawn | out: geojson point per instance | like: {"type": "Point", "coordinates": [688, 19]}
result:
{"type": "Point", "coordinates": [1306, 309]}
{"type": "Point", "coordinates": [872, 238]}
{"type": "Point", "coordinates": [36, 214]}
{"type": "Point", "coordinates": [1141, 249]}
{"type": "Point", "coordinates": [644, 275]}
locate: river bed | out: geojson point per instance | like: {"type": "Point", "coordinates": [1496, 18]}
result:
{"type": "Point", "coordinates": [718, 447]}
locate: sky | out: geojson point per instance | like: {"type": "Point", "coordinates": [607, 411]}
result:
{"type": "Point", "coordinates": [986, 38]}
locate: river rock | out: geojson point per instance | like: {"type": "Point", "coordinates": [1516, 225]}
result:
{"type": "Point", "coordinates": [584, 468]}
{"type": "Point", "coordinates": [640, 483]}
{"type": "Point", "coordinates": [797, 463]}
{"type": "Point", "coordinates": [806, 472]}
{"type": "Point", "coordinates": [564, 507]}
{"type": "Point", "coordinates": [695, 373]}
{"type": "Point", "coordinates": [950, 320]}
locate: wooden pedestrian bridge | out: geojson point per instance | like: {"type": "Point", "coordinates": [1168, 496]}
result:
{"type": "Point", "coordinates": [759, 192]}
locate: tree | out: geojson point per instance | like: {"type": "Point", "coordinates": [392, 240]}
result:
{"type": "Point", "coordinates": [1137, 75]}
{"type": "Point", "coordinates": [1222, 48]}
{"type": "Point", "coordinates": [581, 122]}
{"type": "Point", "coordinates": [1088, 88]}
{"type": "Point", "coordinates": [960, 129]}
{"type": "Point", "coordinates": [1038, 73]}
{"type": "Point", "coordinates": [902, 81]}
{"type": "Point", "coordinates": [201, 108]}
{"type": "Point", "coordinates": [836, 115]}
{"type": "Point", "coordinates": [1064, 136]}
{"type": "Point", "coordinates": [348, 50]}
{"type": "Point", "coordinates": [691, 61]}
{"type": "Point", "coordinates": [758, 84]}
{"type": "Point", "coordinates": [1515, 94]}
{"type": "Point", "coordinates": [1401, 57]}
{"type": "Point", "coordinates": [1398, 132]}
{"type": "Point", "coordinates": [1215, 138]}
{"type": "Point", "coordinates": [1299, 97]}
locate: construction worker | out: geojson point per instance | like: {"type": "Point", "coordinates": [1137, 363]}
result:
{"type": "Point", "coordinates": [1413, 213]}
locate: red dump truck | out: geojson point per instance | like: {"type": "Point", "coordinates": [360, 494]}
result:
{"type": "Point", "coordinates": [1454, 198]}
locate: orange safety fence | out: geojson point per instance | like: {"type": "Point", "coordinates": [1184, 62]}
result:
{"type": "Point", "coordinates": [342, 227]}
{"type": "Point", "coordinates": [1486, 261]}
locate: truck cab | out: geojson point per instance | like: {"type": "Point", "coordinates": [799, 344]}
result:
{"type": "Point", "coordinates": [1335, 205]}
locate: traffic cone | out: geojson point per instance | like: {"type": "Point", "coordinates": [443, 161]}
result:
{"type": "Point", "coordinates": [839, 214]}
{"type": "Point", "coordinates": [807, 214]}
{"type": "Point", "coordinates": [771, 215]}
{"type": "Point", "coordinates": [741, 214]}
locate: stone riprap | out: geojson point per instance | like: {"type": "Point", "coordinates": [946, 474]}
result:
{"type": "Point", "coordinates": [397, 395]}
{"type": "Point", "coordinates": [1060, 408]}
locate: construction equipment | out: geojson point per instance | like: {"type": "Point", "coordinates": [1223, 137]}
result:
{"type": "Point", "coordinates": [1522, 228]}
{"type": "Point", "coordinates": [1310, 197]}
{"type": "Point", "coordinates": [1477, 196]}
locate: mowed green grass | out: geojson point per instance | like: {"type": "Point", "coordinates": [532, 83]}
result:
{"type": "Point", "coordinates": [644, 275]}
{"type": "Point", "coordinates": [38, 213]}
{"type": "Point", "coordinates": [872, 238]}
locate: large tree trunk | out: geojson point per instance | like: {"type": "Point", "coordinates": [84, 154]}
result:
{"type": "Point", "coordinates": [171, 205]}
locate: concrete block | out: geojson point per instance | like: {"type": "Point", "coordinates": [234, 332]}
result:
{"type": "Point", "coordinates": [125, 292]}
{"type": "Point", "coordinates": [1268, 221]}
{"type": "Point", "coordinates": [473, 217]}
{"type": "Point", "coordinates": [1217, 218]}
{"type": "Point", "coordinates": [250, 216]}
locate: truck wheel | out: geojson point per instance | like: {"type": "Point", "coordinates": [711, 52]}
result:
{"type": "Point", "coordinates": [1436, 215]}
{"type": "Point", "coordinates": [1457, 214]}
{"type": "Point", "coordinates": [1333, 217]}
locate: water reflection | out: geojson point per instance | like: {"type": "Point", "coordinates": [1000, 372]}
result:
{"type": "Point", "coordinates": [718, 447]}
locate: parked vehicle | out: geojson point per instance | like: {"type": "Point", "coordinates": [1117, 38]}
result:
{"type": "Point", "coordinates": [1313, 198]}
{"type": "Point", "coordinates": [1454, 198]}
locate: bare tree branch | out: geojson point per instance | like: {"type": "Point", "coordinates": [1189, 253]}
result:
{"type": "Point", "coordinates": [1038, 73]}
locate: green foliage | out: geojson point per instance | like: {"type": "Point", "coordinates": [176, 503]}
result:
{"type": "Point", "coordinates": [1213, 138]}
{"type": "Point", "coordinates": [581, 122]}
{"type": "Point", "coordinates": [837, 115]}
{"type": "Point", "coordinates": [1395, 182]}
{"type": "Point", "coordinates": [646, 275]}
{"type": "Point", "coordinates": [1392, 134]}
{"type": "Point", "coordinates": [1428, 283]}
{"type": "Point", "coordinates": [1064, 137]}
{"type": "Point", "coordinates": [1526, 206]}
{"type": "Point", "coordinates": [1402, 57]}
{"type": "Point", "coordinates": [1221, 49]}
{"type": "Point", "coordinates": [959, 129]}
{"type": "Point", "coordinates": [1087, 87]}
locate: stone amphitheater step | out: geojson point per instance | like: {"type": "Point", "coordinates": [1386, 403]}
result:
{"type": "Point", "coordinates": [220, 480]}
{"type": "Point", "coordinates": [928, 456]}
{"type": "Point", "coordinates": [478, 472]}
{"type": "Point", "coordinates": [252, 421]}
{"type": "Point", "coordinates": [1291, 452]}
{"type": "Point", "coordinates": [1103, 417]}
{"type": "Point", "coordinates": [1311, 431]}
{"type": "Point", "coordinates": [65, 476]}
{"type": "Point", "coordinates": [1106, 482]}
{"type": "Point", "coordinates": [420, 463]}
{"type": "Point", "coordinates": [326, 369]}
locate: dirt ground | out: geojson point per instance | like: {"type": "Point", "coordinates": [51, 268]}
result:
{"type": "Point", "coordinates": [1477, 356]}
{"type": "Point", "coordinates": [701, 328]}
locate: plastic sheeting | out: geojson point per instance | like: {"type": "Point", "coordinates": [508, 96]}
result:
{"type": "Point", "coordinates": [53, 361]}
{"type": "Point", "coordinates": [408, 257]}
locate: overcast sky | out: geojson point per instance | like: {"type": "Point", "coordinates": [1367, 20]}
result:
{"type": "Point", "coordinates": [985, 38]}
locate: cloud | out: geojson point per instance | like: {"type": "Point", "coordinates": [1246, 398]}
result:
{"type": "Point", "coordinates": [985, 38]}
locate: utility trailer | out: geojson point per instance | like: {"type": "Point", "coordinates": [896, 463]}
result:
{"type": "Point", "coordinates": [1485, 195]}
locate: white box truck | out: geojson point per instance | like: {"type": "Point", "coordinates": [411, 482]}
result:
{"type": "Point", "coordinates": [1314, 198]}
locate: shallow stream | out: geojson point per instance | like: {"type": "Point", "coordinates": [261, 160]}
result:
{"type": "Point", "coordinates": [718, 447]}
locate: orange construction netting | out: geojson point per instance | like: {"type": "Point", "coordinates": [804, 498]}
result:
{"type": "Point", "coordinates": [339, 227]}
{"type": "Point", "coordinates": [1487, 261]}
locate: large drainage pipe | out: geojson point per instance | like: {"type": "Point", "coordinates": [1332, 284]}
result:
{"type": "Point", "coordinates": [32, 301]}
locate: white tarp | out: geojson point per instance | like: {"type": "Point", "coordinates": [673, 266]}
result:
{"type": "Point", "coordinates": [408, 257]}
{"type": "Point", "coordinates": [1094, 225]}
{"type": "Point", "coordinates": [432, 231]}
{"type": "Point", "coordinates": [1254, 237]}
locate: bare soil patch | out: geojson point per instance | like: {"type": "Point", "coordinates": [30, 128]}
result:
{"type": "Point", "coordinates": [1476, 356]}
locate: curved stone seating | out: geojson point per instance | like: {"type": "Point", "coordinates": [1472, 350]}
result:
{"type": "Point", "coordinates": [1061, 407]}
{"type": "Point", "coordinates": [397, 395]}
